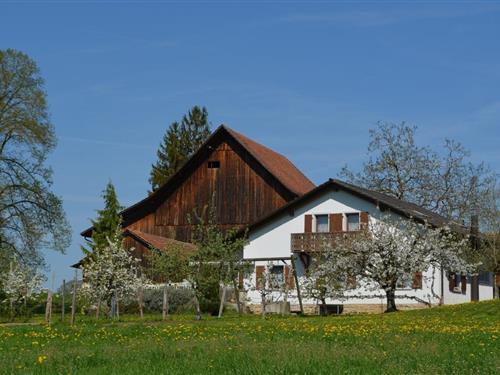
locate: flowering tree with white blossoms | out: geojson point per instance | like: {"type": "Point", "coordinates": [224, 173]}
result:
{"type": "Point", "coordinates": [266, 284]}
{"type": "Point", "coordinates": [326, 277]}
{"type": "Point", "coordinates": [20, 283]}
{"type": "Point", "coordinates": [393, 249]}
{"type": "Point", "coordinates": [111, 274]}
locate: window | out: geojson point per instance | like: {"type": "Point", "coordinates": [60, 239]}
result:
{"type": "Point", "coordinates": [485, 278]}
{"type": "Point", "coordinates": [352, 222]}
{"type": "Point", "coordinates": [322, 223]}
{"type": "Point", "coordinates": [213, 164]}
{"type": "Point", "coordinates": [277, 277]}
{"type": "Point", "coordinates": [405, 282]}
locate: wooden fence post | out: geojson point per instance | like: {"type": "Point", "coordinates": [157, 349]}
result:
{"type": "Point", "coordinates": [48, 307]}
{"type": "Point", "coordinates": [237, 296]}
{"type": "Point", "coordinates": [164, 311]}
{"type": "Point", "coordinates": [73, 301]}
{"type": "Point", "coordinates": [62, 300]}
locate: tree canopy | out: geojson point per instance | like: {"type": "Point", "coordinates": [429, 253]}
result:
{"type": "Point", "coordinates": [179, 142]}
{"type": "Point", "coordinates": [31, 215]}
{"type": "Point", "coordinates": [446, 182]}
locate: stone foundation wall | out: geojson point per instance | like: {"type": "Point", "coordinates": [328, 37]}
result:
{"type": "Point", "coordinates": [361, 308]}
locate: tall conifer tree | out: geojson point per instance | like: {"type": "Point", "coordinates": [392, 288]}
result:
{"type": "Point", "coordinates": [107, 222]}
{"type": "Point", "coordinates": [179, 142]}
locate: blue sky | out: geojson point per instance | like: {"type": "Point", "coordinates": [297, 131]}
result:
{"type": "Point", "coordinates": [307, 79]}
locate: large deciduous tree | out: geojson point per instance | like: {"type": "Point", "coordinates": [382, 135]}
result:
{"type": "Point", "coordinates": [31, 215]}
{"type": "Point", "coordinates": [179, 143]}
{"type": "Point", "coordinates": [445, 182]}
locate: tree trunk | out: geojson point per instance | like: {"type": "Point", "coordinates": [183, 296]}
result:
{"type": "Point", "coordinates": [117, 308]}
{"type": "Point", "coordinates": [140, 300]}
{"type": "Point", "coordinates": [11, 309]}
{"type": "Point", "coordinates": [391, 300]}
{"type": "Point", "coordinates": [237, 295]}
{"type": "Point", "coordinates": [73, 301]}
{"type": "Point", "coordinates": [222, 300]}
{"type": "Point", "coordinates": [297, 285]}
{"type": "Point", "coordinates": [165, 302]}
{"type": "Point", "coordinates": [62, 301]}
{"type": "Point", "coordinates": [98, 309]}
{"type": "Point", "coordinates": [322, 310]}
{"type": "Point", "coordinates": [197, 308]}
{"type": "Point", "coordinates": [263, 303]}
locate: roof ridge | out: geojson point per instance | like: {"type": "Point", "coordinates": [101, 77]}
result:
{"type": "Point", "coordinates": [282, 170]}
{"type": "Point", "coordinates": [287, 179]}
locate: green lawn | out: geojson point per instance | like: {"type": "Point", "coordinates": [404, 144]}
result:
{"type": "Point", "coordinates": [457, 339]}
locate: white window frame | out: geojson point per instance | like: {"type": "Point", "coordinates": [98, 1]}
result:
{"type": "Point", "coordinates": [315, 222]}
{"type": "Point", "coordinates": [345, 226]}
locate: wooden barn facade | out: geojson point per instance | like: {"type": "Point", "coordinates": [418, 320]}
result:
{"type": "Point", "coordinates": [243, 179]}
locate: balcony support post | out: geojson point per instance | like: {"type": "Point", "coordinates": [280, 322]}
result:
{"type": "Point", "coordinates": [294, 270]}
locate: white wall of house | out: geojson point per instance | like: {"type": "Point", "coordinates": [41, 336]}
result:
{"type": "Point", "coordinates": [273, 240]}
{"type": "Point", "coordinates": [453, 298]}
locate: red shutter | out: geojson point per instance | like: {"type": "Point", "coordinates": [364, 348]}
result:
{"type": "Point", "coordinates": [451, 281]}
{"type": "Point", "coordinates": [289, 279]}
{"type": "Point", "coordinates": [351, 282]}
{"type": "Point", "coordinates": [363, 220]}
{"type": "Point", "coordinates": [463, 281]}
{"type": "Point", "coordinates": [336, 222]}
{"type": "Point", "coordinates": [417, 280]}
{"type": "Point", "coordinates": [308, 223]}
{"type": "Point", "coordinates": [259, 272]}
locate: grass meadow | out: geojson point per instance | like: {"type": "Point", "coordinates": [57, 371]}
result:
{"type": "Point", "coordinates": [461, 339]}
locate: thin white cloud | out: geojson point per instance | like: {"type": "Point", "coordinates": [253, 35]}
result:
{"type": "Point", "coordinates": [370, 18]}
{"type": "Point", "coordinates": [491, 110]}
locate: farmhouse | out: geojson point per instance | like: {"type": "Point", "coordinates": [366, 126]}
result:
{"type": "Point", "coordinates": [291, 235]}
{"type": "Point", "coordinates": [253, 187]}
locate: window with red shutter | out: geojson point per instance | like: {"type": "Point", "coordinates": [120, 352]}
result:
{"type": "Point", "coordinates": [290, 281]}
{"type": "Point", "coordinates": [307, 223]}
{"type": "Point", "coordinates": [259, 275]}
{"type": "Point", "coordinates": [417, 280]}
{"type": "Point", "coordinates": [463, 280]}
{"type": "Point", "coordinates": [363, 219]}
{"type": "Point", "coordinates": [336, 222]}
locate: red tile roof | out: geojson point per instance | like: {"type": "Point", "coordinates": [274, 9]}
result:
{"type": "Point", "coordinates": [159, 242]}
{"type": "Point", "coordinates": [278, 165]}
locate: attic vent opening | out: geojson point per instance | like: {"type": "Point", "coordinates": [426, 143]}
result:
{"type": "Point", "coordinates": [214, 164]}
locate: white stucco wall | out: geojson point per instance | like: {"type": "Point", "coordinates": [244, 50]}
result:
{"type": "Point", "coordinates": [452, 298]}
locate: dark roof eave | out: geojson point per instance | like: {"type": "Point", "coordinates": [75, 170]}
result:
{"type": "Point", "coordinates": [340, 185]}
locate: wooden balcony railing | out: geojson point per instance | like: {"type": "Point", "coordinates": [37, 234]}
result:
{"type": "Point", "coordinates": [317, 241]}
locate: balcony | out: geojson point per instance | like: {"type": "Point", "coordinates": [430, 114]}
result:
{"type": "Point", "coordinates": [317, 241]}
